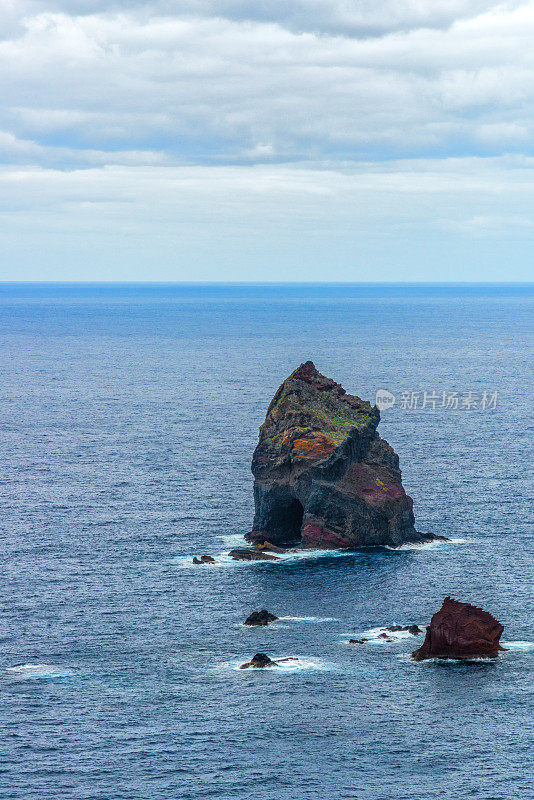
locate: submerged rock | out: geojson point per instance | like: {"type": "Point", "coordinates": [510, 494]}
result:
{"type": "Point", "coordinates": [460, 630]}
{"type": "Point", "coordinates": [204, 560]}
{"type": "Point", "coordinates": [323, 476]}
{"type": "Point", "coordinates": [358, 641]}
{"type": "Point", "coordinates": [415, 630]}
{"type": "Point", "coordinates": [260, 618]}
{"type": "Point", "coordinates": [242, 554]}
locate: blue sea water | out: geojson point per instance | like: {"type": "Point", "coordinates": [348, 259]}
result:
{"type": "Point", "coordinates": [129, 414]}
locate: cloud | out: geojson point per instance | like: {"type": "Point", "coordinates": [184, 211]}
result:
{"type": "Point", "coordinates": [204, 88]}
{"type": "Point", "coordinates": [368, 121]}
{"type": "Point", "coordinates": [366, 18]}
{"type": "Point", "coordinates": [411, 220]}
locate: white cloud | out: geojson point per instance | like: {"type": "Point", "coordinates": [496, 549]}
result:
{"type": "Point", "coordinates": [321, 117]}
{"type": "Point", "coordinates": [205, 88]}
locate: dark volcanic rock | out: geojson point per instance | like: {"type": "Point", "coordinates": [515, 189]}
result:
{"type": "Point", "coordinates": [460, 630]}
{"type": "Point", "coordinates": [260, 618]}
{"type": "Point", "coordinates": [204, 560]}
{"type": "Point", "coordinates": [259, 661]}
{"type": "Point", "coordinates": [323, 476]}
{"type": "Point", "coordinates": [415, 630]}
{"type": "Point", "coordinates": [251, 555]}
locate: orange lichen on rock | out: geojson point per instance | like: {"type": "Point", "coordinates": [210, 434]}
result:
{"type": "Point", "coordinates": [313, 446]}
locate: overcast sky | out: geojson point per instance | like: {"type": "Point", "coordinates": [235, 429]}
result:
{"type": "Point", "coordinates": [371, 140]}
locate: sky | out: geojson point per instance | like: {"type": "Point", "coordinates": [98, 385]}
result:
{"type": "Point", "coordinates": [267, 140]}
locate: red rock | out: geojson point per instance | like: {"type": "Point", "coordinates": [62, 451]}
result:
{"type": "Point", "coordinates": [460, 630]}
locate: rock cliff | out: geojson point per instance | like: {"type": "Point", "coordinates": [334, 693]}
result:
{"type": "Point", "coordinates": [323, 476]}
{"type": "Point", "coordinates": [460, 630]}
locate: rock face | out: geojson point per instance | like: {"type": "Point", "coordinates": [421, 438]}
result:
{"type": "Point", "coordinates": [460, 630]}
{"type": "Point", "coordinates": [259, 661]}
{"type": "Point", "coordinates": [262, 617]}
{"type": "Point", "coordinates": [323, 476]}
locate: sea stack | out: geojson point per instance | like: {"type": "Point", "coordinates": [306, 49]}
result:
{"type": "Point", "coordinates": [460, 630]}
{"type": "Point", "coordinates": [323, 476]}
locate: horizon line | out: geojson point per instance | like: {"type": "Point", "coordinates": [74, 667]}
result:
{"type": "Point", "coordinates": [259, 283]}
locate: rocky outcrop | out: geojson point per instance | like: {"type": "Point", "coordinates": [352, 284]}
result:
{"type": "Point", "coordinates": [323, 476]}
{"type": "Point", "coordinates": [204, 560]}
{"type": "Point", "coordinates": [460, 630]}
{"type": "Point", "coordinates": [415, 630]}
{"type": "Point", "coordinates": [242, 554]}
{"type": "Point", "coordinates": [262, 617]}
{"type": "Point", "coordinates": [260, 660]}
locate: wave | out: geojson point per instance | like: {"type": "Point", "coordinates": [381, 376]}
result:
{"type": "Point", "coordinates": [300, 665]}
{"type": "Point", "coordinates": [291, 556]}
{"type": "Point", "coordinates": [308, 619]}
{"type": "Point", "coordinates": [518, 645]}
{"type": "Point", "coordinates": [36, 671]}
{"type": "Point", "coordinates": [222, 559]}
{"type": "Point", "coordinates": [434, 545]}
{"type": "Point", "coordinates": [373, 636]}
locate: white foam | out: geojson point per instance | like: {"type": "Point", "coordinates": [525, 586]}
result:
{"type": "Point", "coordinates": [225, 560]}
{"type": "Point", "coordinates": [373, 636]}
{"type": "Point", "coordinates": [299, 665]}
{"type": "Point", "coordinates": [24, 671]}
{"type": "Point", "coordinates": [307, 554]}
{"type": "Point", "coordinates": [221, 560]}
{"type": "Point", "coordinates": [433, 545]}
{"type": "Point", "coordinates": [457, 661]}
{"type": "Point", "coordinates": [518, 645]}
{"type": "Point", "coordinates": [308, 619]}
{"type": "Point", "coordinates": [235, 541]}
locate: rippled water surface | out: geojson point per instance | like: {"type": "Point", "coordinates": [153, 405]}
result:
{"type": "Point", "coordinates": [128, 419]}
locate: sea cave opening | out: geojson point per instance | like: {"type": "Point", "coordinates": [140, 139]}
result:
{"type": "Point", "coordinates": [294, 518]}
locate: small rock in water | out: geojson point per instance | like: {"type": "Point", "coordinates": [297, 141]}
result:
{"type": "Point", "coordinates": [204, 560]}
{"type": "Point", "coordinates": [413, 629]}
{"type": "Point", "coordinates": [259, 661]}
{"type": "Point", "coordinates": [262, 617]}
{"type": "Point", "coordinates": [358, 641]}
{"type": "Point", "coordinates": [251, 555]}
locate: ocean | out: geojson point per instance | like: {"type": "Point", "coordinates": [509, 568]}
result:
{"type": "Point", "coordinates": [129, 414]}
